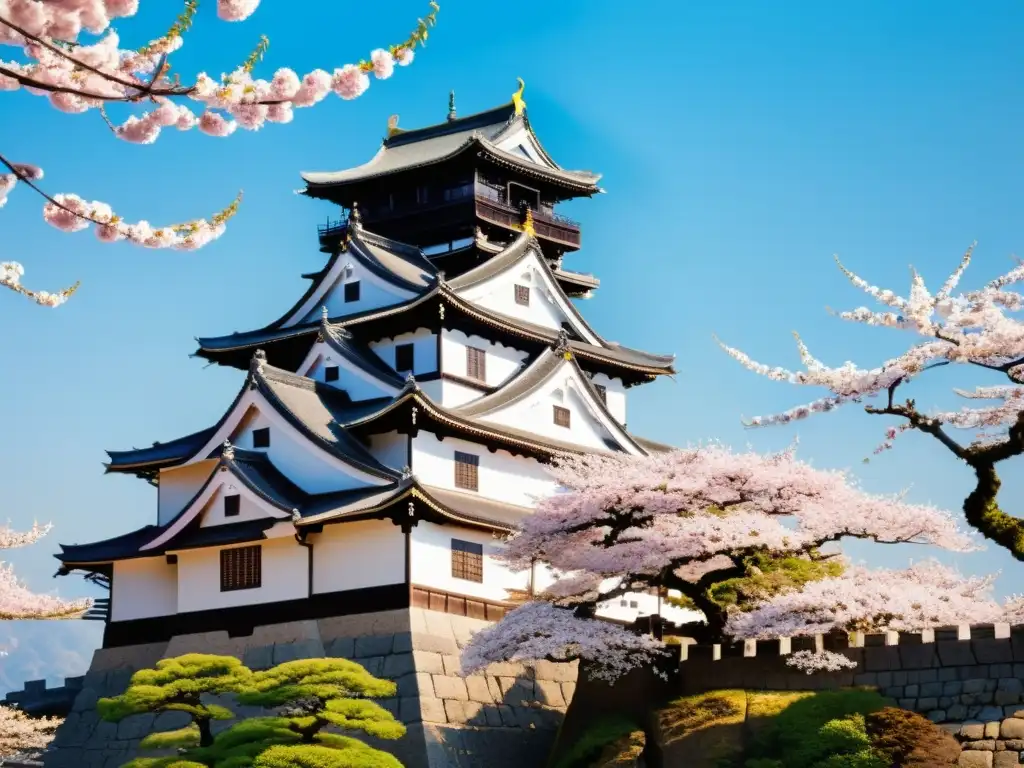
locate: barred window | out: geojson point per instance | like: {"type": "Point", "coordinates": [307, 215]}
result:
{"type": "Point", "coordinates": [261, 438]}
{"type": "Point", "coordinates": [467, 471]}
{"type": "Point", "coordinates": [523, 295]}
{"type": "Point", "coordinates": [467, 561]}
{"type": "Point", "coordinates": [352, 291]}
{"type": "Point", "coordinates": [562, 416]}
{"type": "Point", "coordinates": [232, 505]}
{"type": "Point", "coordinates": [331, 373]}
{"type": "Point", "coordinates": [404, 357]}
{"type": "Point", "coordinates": [476, 364]}
{"type": "Point", "coordinates": [241, 568]}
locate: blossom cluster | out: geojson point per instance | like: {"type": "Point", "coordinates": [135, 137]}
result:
{"type": "Point", "coordinates": [78, 78]}
{"type": "Point", "coordinates": [16, 600]}
{"type": "Point", "coordinates": [20, 734]}
{"type": "Point", "coordinates": [974, 328]}
{"type": "Point", "coordinates": [688, 519]}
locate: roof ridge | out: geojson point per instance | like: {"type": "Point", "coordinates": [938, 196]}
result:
{"type": "Point", "coordinates": [458, 125]}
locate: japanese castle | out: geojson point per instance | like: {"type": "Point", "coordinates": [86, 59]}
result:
{"type": "Point", "coordinates": [394, 423]}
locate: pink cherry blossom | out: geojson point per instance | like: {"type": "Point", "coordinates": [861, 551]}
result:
{"type": "Point", "coordinates": [383, 64]}
{"type": "Point", "coordinates": [20, 733]}
{"type": "Point", "coordinates": [236, 10]}
{"type": "Point", "coordinates": [349, 82]}
{"type": "Point", "coordinates": [16, 601]}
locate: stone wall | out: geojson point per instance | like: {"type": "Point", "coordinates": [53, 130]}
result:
{"type": "Point", "coordinates": [505, 718]}
{"type": "Point", "coordinates": [997, 743]}
{"type": "Point", "coordinates": [951, 676]}
{"type": "Point", "coordinates": [37, 699]}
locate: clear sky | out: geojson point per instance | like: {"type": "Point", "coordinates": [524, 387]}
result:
{"type": "Point", "coordinates": [742, 144]}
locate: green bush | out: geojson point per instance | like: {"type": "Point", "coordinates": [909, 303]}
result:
{"type": "Point", "coordinates": [594, 741]}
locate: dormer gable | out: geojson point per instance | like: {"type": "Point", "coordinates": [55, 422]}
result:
{"type": "Point", "coordinates": [557, 400]}
{"type": "Point", "coordinates": [519, 283]}
{"type": "Point", "coordinates": [352, 368]}
{"type": "Point", "coordinates": [519, 140]}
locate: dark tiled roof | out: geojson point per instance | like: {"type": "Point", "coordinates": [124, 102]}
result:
{"type": "Point", "coordinates": [359, 354]}
{"type": "Point", "coordinates": [160, 454]}
{"type": "Point", "coordinates": [435, 144]}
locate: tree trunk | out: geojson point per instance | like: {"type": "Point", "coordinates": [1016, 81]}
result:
{"type": "Point", "coordinates": [205, 734]}
{"type": "Point", "coordinates": [983, 513]}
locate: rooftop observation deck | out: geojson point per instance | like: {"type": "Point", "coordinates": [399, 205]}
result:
{"type": "Point", "coordinates": [489, 203]}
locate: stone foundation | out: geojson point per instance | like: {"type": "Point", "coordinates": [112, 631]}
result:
{"type": "Point", "coordinates": [507, 717]}
{"type": "Point", "coordinates": [997, 743]}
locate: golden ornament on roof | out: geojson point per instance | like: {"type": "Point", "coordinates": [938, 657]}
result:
{"type": "Point", "coordinates": [517, 97]}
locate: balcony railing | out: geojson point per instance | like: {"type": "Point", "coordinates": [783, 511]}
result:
{"type": "Point", "coordinates": [492, 204]}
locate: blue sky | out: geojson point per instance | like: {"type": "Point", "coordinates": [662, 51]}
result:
{"type": "Point", "coordinates": [742, 144]}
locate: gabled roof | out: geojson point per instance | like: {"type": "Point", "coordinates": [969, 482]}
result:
{"type": "Point", "coordinates": [523, 247]}
{"type": "Point", "coordinates": [611, 353]}
{"type": "Point", "coordinates": [479, 134]}
{"type": "Point", "coordinates": [357, 354]}
{"type": "Point", "coordinates": [159, 454]}
{"type": "Point", "coordinates": [307, 405]}
{"type": "Point", "coordinates": [398, 264]}
{"type": "Point", "coordinates": [533, 377]}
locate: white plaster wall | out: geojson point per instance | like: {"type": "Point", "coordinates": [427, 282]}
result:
{"type": "Point", "coordinates": [143, 588]}
{"type": "Point", "coordinates": [432, 562]}
{"type": "Point", "coordinates": [615, 393]}
{"type": "Point", "coordinates": [504, 477]}
{"type": "Point", "coordinates": [536, 413]}
{"type": "Point", "coordinates": [178, 485]}
{"type": "Point", "coordinates": [306, 465]}
{"type": "Point", "coordinates": [391, 449]}
{"type": "Point", "coordinates": [373, 292]}
{"type": "Point", "coordinates": [284, 577]}
{"type": "Point", "coordinates": [434, 389]}
{"type": "Point", "coordinates": [250, 507]}
{"type": "Point", "coordinates": [631, 606]}
{"type": "Point", "coordinates": [455, 393]}
{"type": "Point", "coordinates": [358, 384]}
{"type": "Point", "coordinates": [502, 362]}
{"type": "Point", "coordinates": [424, 355]}
{"type": "Point", "coordinates": [368, 553]}
{"type": "Point", "coordinates": [498, 294]}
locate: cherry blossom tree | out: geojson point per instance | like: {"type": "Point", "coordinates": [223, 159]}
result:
{"type": "Point", "coordinates": [16, 600]}
{"type": "Point", "coordinates": [692, 519]}
{"type": "Point", "coordinates": [977, 329]}
{"type": "Point", "coordinates": [21, 734]}
{"type": "Point", "coordinates": [80, 77]}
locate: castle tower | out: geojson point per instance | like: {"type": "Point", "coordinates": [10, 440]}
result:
{"type": "Point", "coordinates": [392, 425]}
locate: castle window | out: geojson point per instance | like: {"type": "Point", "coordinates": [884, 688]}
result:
{"type": "Point", "coordinates": [476, 364]}
{"type": "Point", "coordinates": [331, 373]}
{"type": "Point", "coordinates": [467, 561]}
{"type": "Point", "coordinates": [232, 505]}
{"type": "Point", "coordinates": [523, 295]}
{"type": "Point", "coordinates": [467, 471]}
{"type": "Point", "coordinates": [403, 357]}
{"type": "Point", "coordinates": [241, 568]}
{"type": "Point", "coordinates": [602, 392]}
{"type": "Point", "coordinates": [261, 438]}
{"type": "Point", "coordinates": [562, 416]}
{"type": "Point", "coordinates": [352, 291]}
{"type": "Point", "coordinates": [633, 604]}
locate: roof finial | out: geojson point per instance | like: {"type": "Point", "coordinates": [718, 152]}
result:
{"type": "Point", "coordinates": [406, 472]}
{"type": "Point", "coordinates": [451, 106]}
{"type": "Point", "coordinates": [517, 97]}
{"type": "Point", "coordinates": [258, 360]}
{"type": "Point", "coordinates": [296, 516]}
{"type": "Point", "coordinates": [410, 379]}
{"type": "Point", "coordinates": [562, 344]}
{"type": "Point", "coordinates": [227, 451]}
{"type": "Point", "coordinates": [528, 223]}
{"type": "Point", "coordinates": [323, 314]}
{"type": "Point", "coordinates": [354, 215]}
{"type": "Point", "coordinates": [393, 126]}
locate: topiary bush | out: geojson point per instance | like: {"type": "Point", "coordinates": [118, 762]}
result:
{"type": "Point", "coordinates": [908, 740]}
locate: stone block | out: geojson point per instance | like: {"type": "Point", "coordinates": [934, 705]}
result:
{"type": "Point", "coordinates": [374, 645]}
{"type": "Point", "coordinates": [1000, 670]}
{"type": "Point", "coordinates": [881, 658]}
{"type": "Point", "coordinates": [918, 656]}
{"type": "Point", "coordinates": [972, 731]}
{"type": "Point", "coordinates": [450, 688]}
{"type": "Point", "coordinates": [912, 691]}
{"type": "Point", "coordinates": [884, 679]}
{"type": "Point", "coordinates": [937, 715]}
{"type": "Point", "coordinates": [341, 648]}
{"type": "Point", "coordinates": [1005, 760]}
{"type": "Point", "coordinates": [956, 712]}
{"type": "Point", "coordinates": [931, 689]}
{"type": "Point", "coordinates": [508, 717]}
{"type": "Point", "coordinates": [302, 649]}
{"type": "Point", "coordinates": [927, 704]}
{"type": "Point", "coordinates": [985, 745]}
{"type": "Point", "coordinates": [170, 721]}
{"type": "Point", "coordinates": [991, 729]}
{"type": "Point", "coordinates": [947, 673]}
{"type": "Point", "coordinates": [568, 691]}
{"type": "Point", "coordinates": [900, 678]}
{"type": "Point", "coordinates": [975, 685]}
{"type": "Point", "coordinates": [992, 651]}
{"type": "Point", "coordinates": [426, 661]}
{"type": "Point", "coordinates": [492, 717]}
{"type": "Point", "coordinates": [402, 643]}
{"type": "Point", "coordinates": [432, 711]}
{"type": "Point", "coordinates": [423, 641]}
{"type": "Point", "coordinates": [1003, 698]}
{"type": "Point", "coordinates": [452, 667]}
{"type": "Point", "coordinates": [955, 653]}
{"type": "Point", "coordinates": [894, 692]}
{"type": "Point", "coordinates": [494, 688]}
{"type": "Point", "coordinates": [398, 664]}
{"type": "Point", "coordinates": [415, 684]}
{"type": "Point", "coordinates": [559, 673]}
{"type": "Point", "coordinates": [476, 686]}
{"type": "Point", "coordinates": [1010, 684]}
{"type": "Point", "coordinates": [910, 704]}
{"type": "Point", "coordinates": [261, 657]}
{"type": "Point", "coordinates": [1012, 728]}
{"type": "Point", "coordinates": [516, 691]}
{"type": "Point", "coordinates": [1014, 745]}
{"type": "Point", "coordinates": [945, 701]}
{"type": "Point", "coordinates": [866, 679]}
{"type": "Point", "coordinates": [952, 688]}
{"type": "Point", "coordinates": [409, 709]}
{"type": "Point", "coordinates": [137, 726]}
{"type": "Point", "coordinates": [372, 664]}
{"type": "Point", "coordinates": [439, 624]}
{"type": "Point", "coordinates": [454, 712]}
{"type": "Point", "coordinates": [550, 693]}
